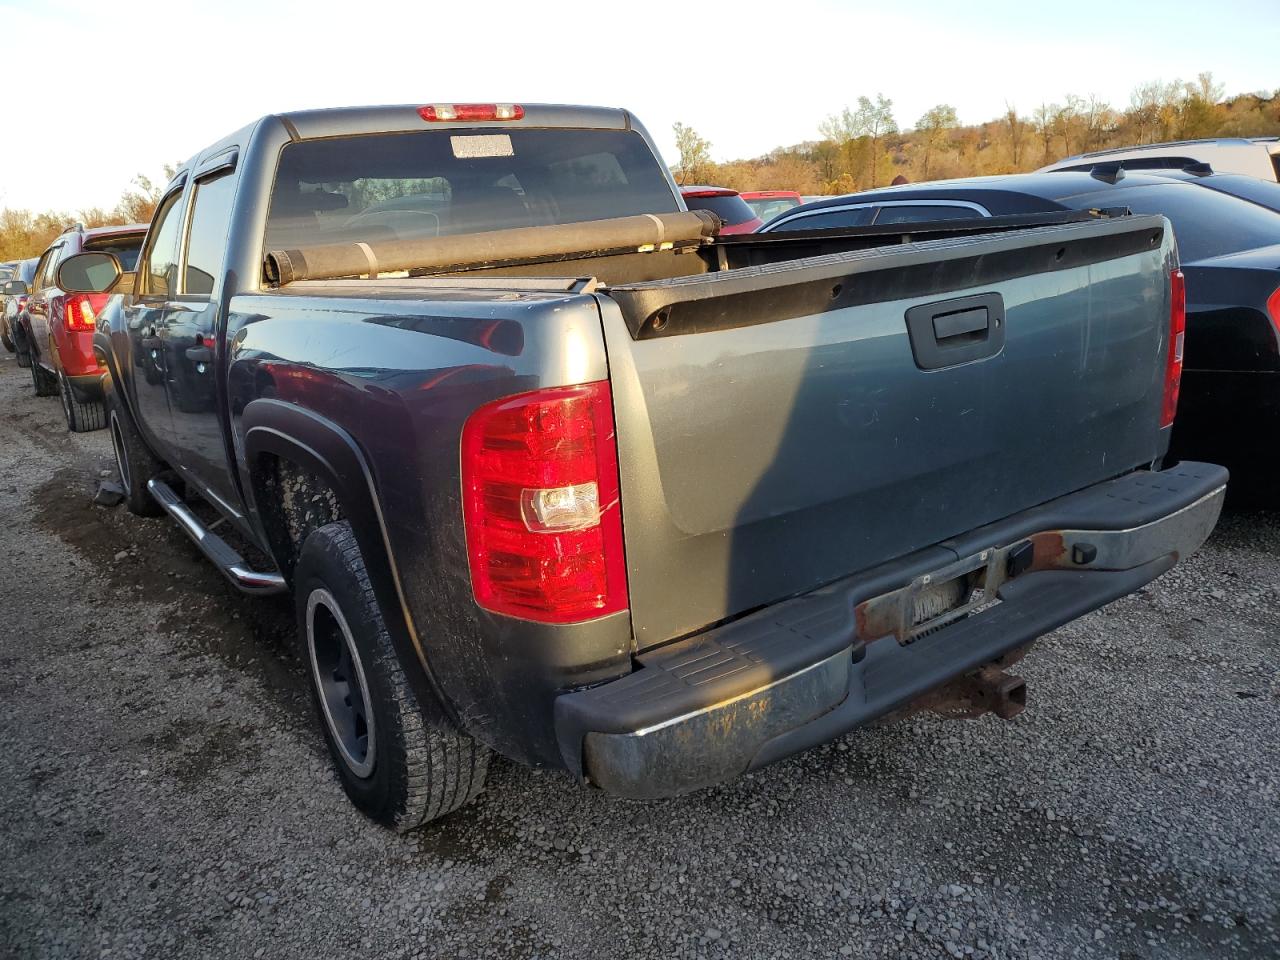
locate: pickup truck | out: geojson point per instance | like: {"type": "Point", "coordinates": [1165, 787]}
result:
{"type": "Point", "coordinates": [552, 469]}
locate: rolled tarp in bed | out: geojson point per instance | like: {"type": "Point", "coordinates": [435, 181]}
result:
{"type": "Point", "coordinates": [329, 261]}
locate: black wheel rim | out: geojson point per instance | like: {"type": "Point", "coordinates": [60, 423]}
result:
{"type": "Point", "coordinates": [343, 691]}
{"type": "Point", "coordinates": [117, 444]}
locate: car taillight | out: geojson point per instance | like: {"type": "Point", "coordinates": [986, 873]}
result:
{"type": "Point", "coordinates": [541, 505]}
{"type": "Point", "coordinates": [80, 311]}
{"type": "Point", "coordinates": [466, 112]}
{"type": "Point", "coordinates": [1273, 308]}
{"type": "Point", "coordinates": [1177, 339]}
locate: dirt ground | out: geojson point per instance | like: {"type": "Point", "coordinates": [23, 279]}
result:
{"type": "Point", "coordinates": [167, 793]}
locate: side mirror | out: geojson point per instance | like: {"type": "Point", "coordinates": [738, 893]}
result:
{"type": "Point", "coordinates": [89, 273]}
{"type": "Point", "coordinates": [14, 288]}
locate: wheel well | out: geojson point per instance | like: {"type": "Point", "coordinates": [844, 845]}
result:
{"type": "Point", "coordinates": [292, 502]}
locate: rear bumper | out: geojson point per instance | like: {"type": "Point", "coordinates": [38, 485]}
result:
{"type": "Point", "coordinates": [801, 672]}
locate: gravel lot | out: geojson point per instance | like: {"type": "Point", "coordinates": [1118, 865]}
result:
{"type": "Point", "coordinates": [168, 793]}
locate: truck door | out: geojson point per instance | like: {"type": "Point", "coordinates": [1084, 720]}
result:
{"type": "Point", "coordinates": [145, 318]}
{"type": "Point", "coordinates": [191, 349]}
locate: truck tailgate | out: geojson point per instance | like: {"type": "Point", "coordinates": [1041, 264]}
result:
{"type": "Point", "coordinates": [780, 427]}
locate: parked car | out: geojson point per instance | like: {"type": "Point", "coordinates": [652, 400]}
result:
{"type": "Point", "coordinates": [1252, 156]}
{"type": "Point", "coordinates": [553, 470]}
{"type": "Point", "coordinates": [15, 303]}
{"type": "Point", "coordinates": [734, 212]}
{"type": "Point", "coordinates": [767, 204]}
{"type": "Point", "coordinates": [55, 328]}
{"type": "Point", "coordinates": [1229, 250]}
{"type": "Point", "coordinates": [7, 272]}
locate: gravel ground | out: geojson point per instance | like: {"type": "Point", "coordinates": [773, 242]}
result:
{"type": "Point", "coordinates": [169, 795]}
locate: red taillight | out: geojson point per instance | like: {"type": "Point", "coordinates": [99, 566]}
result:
{"type": "Point", "coordinates": [541, 507]}
{"type": "Point", "coordinates": [1273, 309]}
{"type": "Point", "coordinates": [80, 311]}
{"type": "Point", "coordinates": [466, 112]}
{"type": "Point", "coordinates": [1177, 339]}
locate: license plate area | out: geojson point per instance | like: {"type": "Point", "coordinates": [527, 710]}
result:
{"type": "Point", "coordinates": [936, 599]}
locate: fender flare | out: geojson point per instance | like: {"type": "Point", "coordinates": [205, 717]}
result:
{"type": "Point", "coordinates": [326, 450]}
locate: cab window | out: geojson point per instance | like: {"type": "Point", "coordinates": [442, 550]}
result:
{"type": "Point", "coordinates": [207, 241]}
{"type": "Point", "coordinates": [160, 273]}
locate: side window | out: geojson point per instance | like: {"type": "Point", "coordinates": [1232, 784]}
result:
{"type": "Point", "coordinates": [207, 241]}
{"type": "Point", "coordinates": [919, 213]}
{"type": "Point", "coordinates": [160, 270]}
{"type": "Point", "coordinates": [829, 220]}
{"type": "Point", "coordinates": [44, 269]}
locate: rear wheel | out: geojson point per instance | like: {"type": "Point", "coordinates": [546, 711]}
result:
{"type": "Point", "coordinates": [8, 344]}
{"type": "Point", "coordinates": [135, 463]}
{"type": "Point", "coordinates": [46, 383]}
{"type": "Point", "coordinates": [401, 769]}
{"type": "Point", "coordinates": [81, 417]}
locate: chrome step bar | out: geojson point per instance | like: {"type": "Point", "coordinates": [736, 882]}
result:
{"type": "Point", "coordinates": [213, 546]}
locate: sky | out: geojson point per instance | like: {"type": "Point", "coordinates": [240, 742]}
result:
{"type": "Point", "coordinates": [132, 86]}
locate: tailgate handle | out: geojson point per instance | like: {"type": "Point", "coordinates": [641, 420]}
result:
{"type": "Point", "coordinates": [960, 323]}
{"type": "Point", "coordinates": [951, 332]}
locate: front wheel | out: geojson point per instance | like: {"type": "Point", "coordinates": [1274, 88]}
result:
{"type": "Point", "coordinates": [81, 417]}
{"type": "Point", "coordinates": [397, 767]}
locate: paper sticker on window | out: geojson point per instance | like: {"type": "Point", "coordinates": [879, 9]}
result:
{"type": "Point", "coordinates": [486, 145]}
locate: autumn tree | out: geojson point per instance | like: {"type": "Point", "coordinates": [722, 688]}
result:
{"type": "Point", "coordinates": [860, 133]}
{"type": "Point", "coordinates": [1016, 129]}
{"type": "Point", "coordinates": [934, 129]}
{"type": "Point", "coordinates": [695, 164]}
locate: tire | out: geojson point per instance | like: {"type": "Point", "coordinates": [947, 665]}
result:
{"type": "Point", "coordinates": [400, 769]}
{"type": "Point", "coordinates": [8, 344]}
{"type": "Point", "coordinates": [135, 463]}
{"type": "Point", "coordinates": [81, 417]}
{"type": "Point", "coordinates": [21, 350]}
{"type": "Point", "coordinates": [46, 383]}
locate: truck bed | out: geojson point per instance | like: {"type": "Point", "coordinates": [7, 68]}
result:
{"type": "Point", "coordinates": [782, 421]}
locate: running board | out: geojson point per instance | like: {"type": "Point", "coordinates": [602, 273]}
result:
{"type": "Point", "coordinates": [213, 546]}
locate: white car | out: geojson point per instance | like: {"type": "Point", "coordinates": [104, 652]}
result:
{"type": "Point", "coordinates": [1256, 156]}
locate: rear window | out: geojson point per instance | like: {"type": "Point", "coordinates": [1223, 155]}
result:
{"type": "Point", "coordinates": [1247, 188]}
{"type": "Point", "coordinates": [769, 207]}
{"type": "Point", "coordinates": [126, 249]}
{"type": "Point", "coordinates": [732, 209]}
{"type": "Point", "coordinates": [1206, 223]}
{"type": "Point", "coordinates": [408, 186]}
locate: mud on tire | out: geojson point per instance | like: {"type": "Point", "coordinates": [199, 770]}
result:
{"type": "Point", "coordinates": [397, 767]}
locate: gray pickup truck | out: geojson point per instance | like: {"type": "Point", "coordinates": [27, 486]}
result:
{"type": "Point", "coordinates": [553, 470]}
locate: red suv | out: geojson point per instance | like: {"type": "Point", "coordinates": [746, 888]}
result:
{"type": "Point", "coordinates": [726, 204]}
{"type": "Point", "coordinates": [56, 329]}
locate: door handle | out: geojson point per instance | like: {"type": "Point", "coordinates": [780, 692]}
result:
{"type": "Point", "coordinates": [951, 332]}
